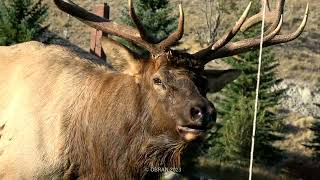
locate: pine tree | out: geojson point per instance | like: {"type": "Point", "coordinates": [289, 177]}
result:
{"type": "Point", "coordinates": [20, 20]}
{"type": "Point", "coordinates": [233, 140]}
{"type": "Point", "coordinates": [315, 142]}
{"type": "Point", "coordinates": [155, 17]}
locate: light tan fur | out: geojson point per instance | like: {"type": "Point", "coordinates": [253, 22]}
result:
{"type": "Point", "coordinates": [66, 117]}
{"type": "Point", "coordinates": [31, 75]}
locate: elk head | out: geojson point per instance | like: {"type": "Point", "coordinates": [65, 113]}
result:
{"type": "Point", "coordinates": [177, 80]}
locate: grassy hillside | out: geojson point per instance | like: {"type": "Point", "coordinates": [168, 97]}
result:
{"type": "Point", "coordinates": [299, 59]}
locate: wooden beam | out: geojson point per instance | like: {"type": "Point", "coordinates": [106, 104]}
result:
{"type": "Point", "coordinates": [96, 35]}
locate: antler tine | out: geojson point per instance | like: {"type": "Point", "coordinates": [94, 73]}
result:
{"type": "Point", "coordinates": [253, 43]}
{"type": "Point", "coordinates": [176, 36]}
{"type": "Point", "coordinates": [286, 38]}
{"type": "Point", "coordinates": [276, 14]}
{"type": "Point", "coordinates": [105, 25]}
{"type": "Point", "coordinates": [227, 36]}
{"type": "Point", "coordinates": [266, 2]}
{"type": "Point", "coordinates": [271, 16]}
{"type": "Point", "coordinates": [137, 22]}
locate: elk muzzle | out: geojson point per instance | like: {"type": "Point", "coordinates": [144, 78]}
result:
{"type": "Point", "coordinates": [201, 116]}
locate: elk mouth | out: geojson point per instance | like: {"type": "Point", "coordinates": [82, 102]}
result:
{"type": "Point", "coordinates": [191, 132]}
{"type": "Point", "coordinates": [192, 128]}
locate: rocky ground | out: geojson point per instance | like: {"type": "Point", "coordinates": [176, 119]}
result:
{"type": "Point", "coordinates": [300, 98]}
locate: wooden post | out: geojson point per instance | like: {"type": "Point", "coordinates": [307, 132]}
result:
{"type": "Point", "coordinates": [96, 35]}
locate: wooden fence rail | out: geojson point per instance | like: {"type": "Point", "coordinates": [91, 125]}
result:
{"type": "Point", "coordinates": [96, 35]}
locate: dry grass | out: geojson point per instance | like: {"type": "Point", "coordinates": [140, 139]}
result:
{"type": "Point", "coordinates": [223, 171]}
{"type": "Point", "coordinates": [296, 133]}
{"type": "Point", "coordinates": [300, 59]}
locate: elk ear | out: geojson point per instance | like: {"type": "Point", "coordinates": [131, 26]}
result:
{"type": "Point", "coordinates": [120, 57]}
{"type": "Point", "coordinates": [217, 79]}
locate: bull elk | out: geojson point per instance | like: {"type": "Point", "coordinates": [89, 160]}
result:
{"type": "Point", "coordinates": [63, 116]}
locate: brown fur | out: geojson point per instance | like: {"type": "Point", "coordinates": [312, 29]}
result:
{"type": "Point", "coordinates": [67, 117]}
{"type": "Point", "coordinates": [72, 116]}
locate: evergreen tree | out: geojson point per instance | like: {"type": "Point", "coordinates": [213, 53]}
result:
{"type": "Point", "coordinates": [233, 140]}
{"type": "Point", "coordinates": [315, 143]}
{"type": "Point", "coordinates": [155, 17]}
{"type": "Point", "coordinates": [20, 20]}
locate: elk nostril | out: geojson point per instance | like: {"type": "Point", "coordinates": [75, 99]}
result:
{"type": "Point", "coordinates": [196, 113]}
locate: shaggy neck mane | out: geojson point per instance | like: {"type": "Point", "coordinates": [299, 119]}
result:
{"type": "Point", "coordinates": [123, 146]}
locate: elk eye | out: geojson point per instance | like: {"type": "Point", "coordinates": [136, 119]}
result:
{"type": "Point", "coordinates": [157, 81]}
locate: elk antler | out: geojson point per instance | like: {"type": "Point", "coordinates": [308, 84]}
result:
{"type": "Point", "coordinates": [271, 16]}
{"type": "Point", "coordinates": [227, 36]}
{"type": "Point", "coordinates": [225, 48]}
{"type": "Point", "coordinates": [176, 36]}
{"type": "Point", "coordinates": [138, 23]}
{"type": "Point", "coordinates": [139, 36]}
